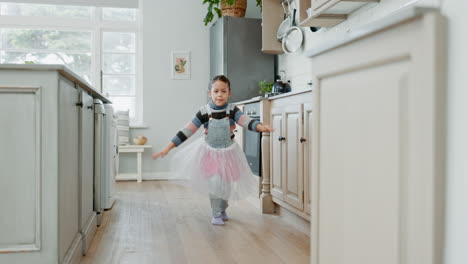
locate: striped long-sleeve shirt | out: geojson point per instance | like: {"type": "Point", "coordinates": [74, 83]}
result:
{"type": "Point", "coordinates": [217, 112]}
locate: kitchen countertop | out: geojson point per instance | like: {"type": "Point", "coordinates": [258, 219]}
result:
{"type": "Point", "coordinates": [261, 98]}
{"type": "Point", "coordinates": [252, 100]}
{"type": "Point", "coordinates": [288, 94]}
{"type": "Point", "coordinates": [62, 70]}
{"type": "Point", "coordinates": [388, 21]}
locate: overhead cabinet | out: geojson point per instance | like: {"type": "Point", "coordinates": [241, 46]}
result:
{"type": "Point", "coordinates": [327, 13]}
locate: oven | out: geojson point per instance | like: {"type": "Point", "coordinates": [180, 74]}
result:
{"type": "Point", "coordinates": [253, 140]}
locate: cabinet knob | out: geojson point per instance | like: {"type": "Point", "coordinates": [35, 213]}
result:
{"type": "Point", "coordinates": [80, 104]}
{"type": "Point", "coordinates": [90, 107]}
{"type": "Point", "coordinates": [281, 138]}
{"type": "Point", "coordinates": [302, 140]}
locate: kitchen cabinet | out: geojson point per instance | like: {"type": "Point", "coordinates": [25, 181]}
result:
{"type": "Point", "coordinates": [45, 184]}
{"type": "Point", "coordinates": [289, 146]}
{"type": "Point", "coordinates": [272, 16]}
{"type": "Point", "coordinates": [379, 143]}
{"type": "Point", "coordinates": [327, 13]}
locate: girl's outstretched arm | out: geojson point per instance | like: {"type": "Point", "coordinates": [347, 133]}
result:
{"type": "Point", "coordinates": [164, 152]}
{"type": "Point", "coordinates": [264, 128]}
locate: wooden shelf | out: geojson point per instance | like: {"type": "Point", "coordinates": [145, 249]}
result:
{"type": "Point", "coordinates": [328, 13]}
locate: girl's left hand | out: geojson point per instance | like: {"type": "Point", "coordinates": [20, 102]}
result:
{"type": "Point", "coordinates": [264, 128]}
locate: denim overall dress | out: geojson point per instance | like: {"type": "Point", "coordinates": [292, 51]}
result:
{"type": "Point", "coordinates": [219, 136]}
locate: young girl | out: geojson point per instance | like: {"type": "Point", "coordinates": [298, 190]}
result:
{"type": "Point", "coordinates": [215, 163]}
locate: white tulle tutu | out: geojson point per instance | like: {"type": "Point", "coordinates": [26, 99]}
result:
{"type": "Point", "coordinates": [222, 172]}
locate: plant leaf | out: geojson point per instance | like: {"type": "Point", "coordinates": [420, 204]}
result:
{"type": "Point", "coordinates": [218, 11]}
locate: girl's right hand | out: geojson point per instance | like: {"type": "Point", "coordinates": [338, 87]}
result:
{"type": "Point", "coordinates": [159, 154]}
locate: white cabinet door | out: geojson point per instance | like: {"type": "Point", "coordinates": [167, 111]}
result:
{"type": "Point", "coordinates": [293, 176]}
{"type": "Point", "coordinates": [378, 168]}
{"type": "Point", "coordinates": [68, 165]}
{"type": "Point", "coordinates": [276, 168]}
{"type": "Point", "coordinates": [87, 158]}
{"type": "Point", "coordinates": [307, 150]}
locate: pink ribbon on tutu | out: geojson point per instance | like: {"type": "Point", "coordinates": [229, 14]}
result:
{"type": "Point", "coordinates": [212, 166]}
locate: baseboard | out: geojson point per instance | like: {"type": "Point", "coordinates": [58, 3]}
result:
{"type": "Point", "coordinates": [88, 232]}
{"type": "Point", "coordinates": [148, 176]}
{"type": "Point", "coordinates": [74, 253]}
{"type": "Point", "coordinates": [292, 216]}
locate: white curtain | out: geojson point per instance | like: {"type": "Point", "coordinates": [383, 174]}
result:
{"type": "Point", "coordinates": [100, 3]}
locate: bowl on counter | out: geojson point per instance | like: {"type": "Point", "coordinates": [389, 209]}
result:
{"type": "Point", "coordinates": [140, 140]}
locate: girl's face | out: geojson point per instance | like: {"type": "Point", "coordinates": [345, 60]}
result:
{"type": "Point", "coordinates": [219, 93]}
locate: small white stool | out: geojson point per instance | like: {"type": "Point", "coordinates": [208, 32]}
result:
{"type": "Point", "coordinates": [138, 149]}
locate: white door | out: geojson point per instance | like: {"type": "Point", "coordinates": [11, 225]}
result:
{"type": "Point", "coordinates": [307, 150]}
{"type": "Point", "coordinates": [293, 175]}
{"type": "Point", "coordinates": [87, 158]}
{"type": "Point", "coordinates": [276, 150]}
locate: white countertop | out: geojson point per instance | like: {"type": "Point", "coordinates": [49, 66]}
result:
{"type": "Point", "coordinates": [289, 94]}
{"type": "Point", "coordinates": [260, 98]}
{"type": "Point", "coordinates": [388, 21]}
{"type": "Point", "coordinates": [63, 70]}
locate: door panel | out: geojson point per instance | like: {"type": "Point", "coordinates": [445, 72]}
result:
{"type": "Point", "coordinates": [277, 153]}
{"type": "Point", "coordinates": [87, 158]}
{"type": "Point", "coordinates": [307, 150]}
{"type": "Point", "coordinates": [68, 165]}
{"type": "Point", "coordinates": [293, 180]}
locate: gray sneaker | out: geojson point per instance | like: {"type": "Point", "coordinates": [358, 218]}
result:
{"type": "Point", "coordinates": [217, 221]}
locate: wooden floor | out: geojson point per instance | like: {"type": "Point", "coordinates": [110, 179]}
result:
{"type": "Point", "coordinates": [164, 222]}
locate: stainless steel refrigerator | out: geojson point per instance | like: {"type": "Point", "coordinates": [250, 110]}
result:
{"type": "Point", "coordinates": [235, 51]}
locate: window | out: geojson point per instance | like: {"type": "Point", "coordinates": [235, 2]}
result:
{"type": "Point", "coordinates": [118, 69]}
{"type": "Point", "coordinates": [13, 9]}
{"type": "Point", "coordinates": [98, 43]}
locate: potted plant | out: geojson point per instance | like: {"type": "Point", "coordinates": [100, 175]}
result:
{"type": "Point", "coordinates": [235, 8]}
{"type": "Point", "coordinates": [265, 87]}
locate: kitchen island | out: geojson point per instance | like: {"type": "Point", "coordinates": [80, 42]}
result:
{"type": "Point", "coordinates": [46, 164]}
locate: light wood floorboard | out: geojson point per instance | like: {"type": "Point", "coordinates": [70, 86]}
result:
{"type": "Point", "coordinates": [165, 222]}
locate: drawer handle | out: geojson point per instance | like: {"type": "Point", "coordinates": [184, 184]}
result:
{"type": "Point", "coordinates": [281, 138]}
{"type": "Point", "coordinates": [302, 140]}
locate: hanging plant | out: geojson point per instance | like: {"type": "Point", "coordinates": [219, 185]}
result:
{"type": "Point", "coordinates": [213, 7]}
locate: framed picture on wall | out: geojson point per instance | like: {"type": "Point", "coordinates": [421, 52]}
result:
{"type": "Point", "coordinates": [180, 65]}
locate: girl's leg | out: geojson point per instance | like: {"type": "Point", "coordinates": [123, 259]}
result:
{"type": "Point", "coordinates": [218, 205]}
{"type": "Point", "coordinates": [224, 206]}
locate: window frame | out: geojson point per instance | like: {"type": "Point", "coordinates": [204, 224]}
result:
{"type": "Point", "coordinates": [96, 25]}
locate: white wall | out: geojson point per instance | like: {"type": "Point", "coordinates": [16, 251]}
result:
{"type": "Point", "coordinates": [169, 104]}
{"type": "Point", "coordinates": [297, 67]}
